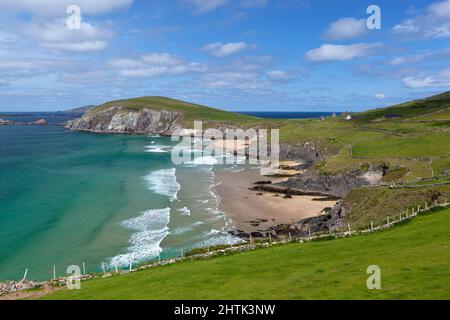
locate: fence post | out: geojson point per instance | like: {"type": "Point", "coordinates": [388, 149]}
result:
{"type": "Point", "coordinates": [54, 272]}
{"type": "Point", "coordinates": [131, 265]}
{"type": "Point", "coordinates": [84, 268]}
{"type": "Point", "coordinates": [117, 269]}
{"type": "Point", "coordinates": [25, 275]}
{"type": "Point", "coordinates": [388, 220]}
{"type": "Point", "coordinates": [251, 240]}
{"type": "Point", "coordinates": [309, 233]}
{"type": "Point", "coordinates": [103, 267]}
{"type": "Point", "coordinates": [290, 237]}
{"type": "Point", "coordinates": [371, 225]}
{"type": "Point", "coordinates": [270, 237]}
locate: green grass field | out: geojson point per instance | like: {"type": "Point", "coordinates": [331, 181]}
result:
{"type": "Point", "coordinates": [190, 111]}
{"type": "Point", "coordinates": [414, 259]}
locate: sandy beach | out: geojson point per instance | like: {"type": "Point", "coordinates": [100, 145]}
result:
{"type": "Point", "coordinates": [253, 211]}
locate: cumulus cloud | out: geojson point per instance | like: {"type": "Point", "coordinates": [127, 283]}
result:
{"type": "Point", "coordinates": [441, 80]}
{"type": "Point", "coordinates": [331, 52]}
{"type": "Point", "coordinates": [346, 28]}
{"type": "Point", "coordinates": [204, 6]}
{"type": "Point", "coordinates": [55, 35]}
{"type": "Point", "coordinates": [433, 24]}
{"type": "Point", "coordinates": [59, 7]}
{"type": "Point", "coordinates": [220, 49]}
{"type": "Point", "coordinates": [153, 65]}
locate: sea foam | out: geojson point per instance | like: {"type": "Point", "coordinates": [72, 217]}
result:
{"type": "Point", "coordinates": [184, 211]}
{"type": "Point", "coordinates": [164, 182]}
{"type": "Point", "coordinates": [152, 228]}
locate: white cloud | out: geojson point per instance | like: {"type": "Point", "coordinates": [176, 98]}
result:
{"type": "Point", "coordinates": [204, 6]}
{"type": "Point", "coordinates": [433, 24]}
{"type": "Point", "coordinates": [380, 96]}
{"type": "Point", "coordinates": [154, 65]}
{"type": "Point", "coordinates": [331, 52]}
{"type": "Point", "coordinates": [280, 75]}
{"type": "Point", "coordinates": [55, 35]}
{"type": "Point", "coordinates": [163, 59]}
{"type": "Point", "coordinates": [220, 49]}
{"type": "Point", "coordinates": [442, 80]}
{"type": "Point", "coordinates": [346, 28]}
{"type": "Point", "coordinates": [440, 9]}
{"type": "Point", "coordinates": [429, 55]}
{"type": "Point", "coordinates": [59, 7]}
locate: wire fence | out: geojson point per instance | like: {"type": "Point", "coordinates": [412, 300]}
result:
{"type": "Point", "coordinates": [78, 273]}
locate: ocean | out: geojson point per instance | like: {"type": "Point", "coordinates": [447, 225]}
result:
{"type": "Point", "coordinates": [68, 197]}
{"type": "Point", "coordinates": [71, 198]}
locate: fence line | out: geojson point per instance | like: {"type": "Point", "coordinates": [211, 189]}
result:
{"type": "Point", "coordinates": [252, 244]}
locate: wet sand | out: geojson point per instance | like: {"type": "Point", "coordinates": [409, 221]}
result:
{"type": "Point", "coordinates": [254, 210]}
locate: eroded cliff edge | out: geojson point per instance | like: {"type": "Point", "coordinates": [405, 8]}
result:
{"type": "Point", "coordinates": [119, 119]}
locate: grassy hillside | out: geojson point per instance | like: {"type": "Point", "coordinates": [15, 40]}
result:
{"type": "Point", "coordinates": [190, 111]}
{"type": "Point", "coordinates": [414, 260]}
{"type": "Point", "coordinates": [411, 109]}
{"type": "Point", "coordinates": [417, 144]}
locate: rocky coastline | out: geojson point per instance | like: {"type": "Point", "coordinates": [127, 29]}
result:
{"type": "Point", "coordinates": [40, 122]}
{"type": "Point", "coordinates": [120, 120]}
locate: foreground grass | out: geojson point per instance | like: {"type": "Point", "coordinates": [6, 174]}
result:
{"type": "Point", "coordinates": [414, 259]}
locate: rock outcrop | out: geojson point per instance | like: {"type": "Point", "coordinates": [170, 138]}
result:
{"type": "Point", "coordinates": [40, 122]}
{"type": "Point", "coordinates": [14, 286]}
{"type": "Point", "coordinates": [335, 185]}
{"type": "Point", "coordinates": [307, 152]}
{"type": "Point", "coordinates": [121, 120]}
{"type": "Point", "coordinates": [6, 122]}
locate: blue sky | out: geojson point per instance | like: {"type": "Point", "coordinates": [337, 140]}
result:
{"type": "Point", "coordinates": [292, 55]}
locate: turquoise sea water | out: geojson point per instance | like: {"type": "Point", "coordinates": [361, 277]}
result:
{"type": "Point", "coordinates": [69, 197]}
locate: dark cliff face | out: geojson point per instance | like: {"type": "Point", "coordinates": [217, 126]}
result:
{"type": "Point", "coordinates": [336, 185]}
{"type": "Point", "coordinates": [121, 120]}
